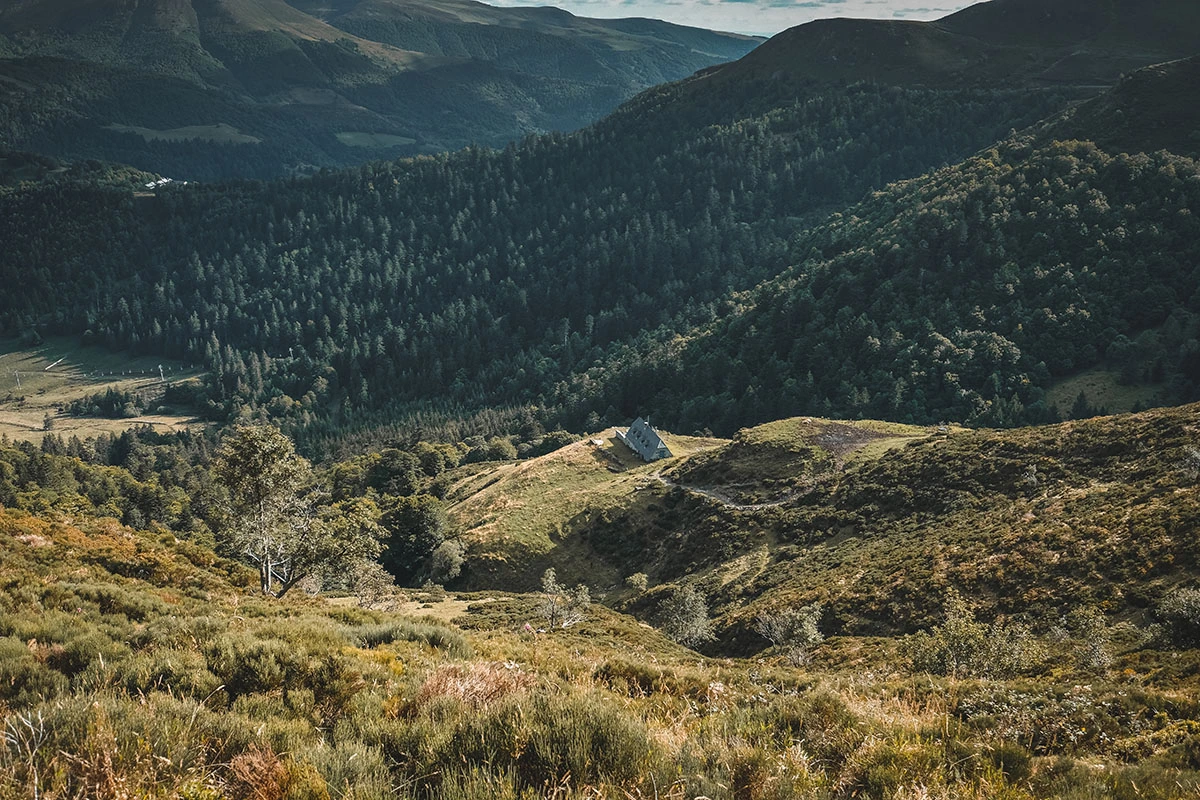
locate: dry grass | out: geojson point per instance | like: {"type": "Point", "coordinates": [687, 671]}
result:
{"type": "Point", "coordinates": [257, 774]}
{"type": "Point", "coordinates": [511, 513]}
{"type": "Point", "coordinates": [1103, 391]}
{"type": "Point", "coordinates": [61, 370]}
{"type": "Point", "coordinates": [477, 685]}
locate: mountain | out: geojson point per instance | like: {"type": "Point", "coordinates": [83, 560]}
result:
{"type": "Point", "coordinates": [1001, 42]}
{"type": "Point", "coordinates": [968, 294]}
{"type": "Point", "coordinates": [209, 88]}
{"type": "Point", "coordinates": [1067, 49]}
{"type": "Point", "coordinates": [977, 291]}
{"type": "Point", "coordinates": [714, 275]}
{"type": "Point", "coordinates": [558, 253]}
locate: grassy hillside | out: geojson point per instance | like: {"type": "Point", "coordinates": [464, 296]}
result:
{"type": "Point", "coordinates": [139, 663]}
{"type": "Point", "coordinates": [1028, 523]}
{"type": "Point", "coordinates": [518, 519]}
{"type": "Point", "coordinates": [773, 461]}
{"type": "Point", "coordinates": [873, 520]}
{"type": "Point", "coordinates": [82, 79]}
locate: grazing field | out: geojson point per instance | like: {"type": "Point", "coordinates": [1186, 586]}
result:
{"type": "Point", "coordinates": [1103, 391]}
{"type": "Point", "coordinates": [769, 462]}
{"type": "Point", "coordinates": [220, 133]}
{"type": "Point", "coordinates": [361, 139]}
{"type": "Point", "coordinates": [37, 382]}
{"type": "Point", "coordinates": [516, 514]}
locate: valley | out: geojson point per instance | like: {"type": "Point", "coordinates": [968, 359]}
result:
{"type": "Point", "coordinates": [319, 471]}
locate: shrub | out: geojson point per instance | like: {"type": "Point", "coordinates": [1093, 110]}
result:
{"type": "Point", "coordinates": [562, 607]}
{"type": "Point", "coordinates": [1180, 613]}
{"type": "Point", "coordinates": [110, 599]}
{"type": "Point", "coordinates": [638, 581]}
{"type": "Point", "coordinates": [582, 739]}
{"type": "Point", "coordinates": [1014, 761]}
{"type": "Point", "coordinates": [891, 767]}
{"type": "Point", "coordinates": [167, 669]}
{"type": "Point", "coordinates": [639, 679]}
{"type": "Point", "coordinates": [685, 617]}
{"type": "Point", "coordinates": [793, 631]}
{"type": "Point", "coordinates": [447, 560]}
{"type": "Point", "coordinates": [372, 584]}
{"type": "Point", "coordinates": [79, 652]}
{"type": "Point", "coordinates": [1189, 464]}
{"type": "Point", "coordinates": [246, 664]}
{"type": "Point", "coordinates": [1092, 634]}
{"type": "Point", "coordinates": [815, 731]}
{"type": "Point", "coordinates": [24, 680]}
{"type": "Point", "coordinates": [110, 746]}
{"type": "Point", "coordinates": [439, 637]}
{"type": "Point", "coordinates": [961, 646]}
{"type": "Point", "coordinates": [529, 743]}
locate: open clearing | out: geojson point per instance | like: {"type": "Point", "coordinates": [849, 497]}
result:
{"type": "Point", "coordinates": [1103, 391]}
{"type": "Point", "coordinates": [361, 139]}
{"type": "Point", "coordinates": [220, 133]}
{"type": "Point", "coordinates": [526, 509]}
{"type": "Point", "coordinates": [58, 371]}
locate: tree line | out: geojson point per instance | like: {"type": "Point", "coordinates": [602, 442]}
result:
{"type": "Point", "coordinates": [469, 280]}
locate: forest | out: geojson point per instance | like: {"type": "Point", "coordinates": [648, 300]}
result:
{"type": "Point", "coordinates": [480, 279]}
{"type": "Point", "coordinates": [959, 296]}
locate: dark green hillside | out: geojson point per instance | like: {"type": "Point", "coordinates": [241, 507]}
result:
{"type": "Point", "coordinates": [1071, 46]}
{"type": "Point", "coordinates": [603, 274]}
{"type": "Point", "coordinates": [342, 298]}
{"type": "Point", "coordinates": [1145, 27]}
{"type": "Point", "coordinates": [141, 83]}
{"type": "Point", "coordinates": [1151, 109]}
{"type": "Point", "coordinates": [964, 295]}
{"type": "Point", "coordinates": [997, 43]}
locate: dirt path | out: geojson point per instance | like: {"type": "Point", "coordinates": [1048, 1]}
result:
{"type": "Point", "coordinates": [726, 500]}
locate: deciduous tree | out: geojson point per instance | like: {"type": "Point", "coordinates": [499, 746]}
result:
{"type": "Point", "coordinates": [273, 518]}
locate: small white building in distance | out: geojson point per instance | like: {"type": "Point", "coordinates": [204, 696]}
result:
{"type": "Point", "coordinates": [642, 439]}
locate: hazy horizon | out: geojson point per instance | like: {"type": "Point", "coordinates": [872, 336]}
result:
{"type": "Point", "coordinates": [756, 17]}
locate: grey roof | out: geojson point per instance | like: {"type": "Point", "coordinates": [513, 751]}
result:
{"type": "Point", "coordinates": [644, 440]}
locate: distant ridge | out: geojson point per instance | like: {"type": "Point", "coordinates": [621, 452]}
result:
{"type": "Point", "coordinates": [318, 84]}
{"type": "Point", "coordinates": [1003, 43]}
{"type": "Point", "coordinates": [1156, 108]}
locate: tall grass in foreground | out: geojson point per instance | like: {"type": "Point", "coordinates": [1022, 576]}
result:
{"type": "Point", "coordinates": [112, 688]}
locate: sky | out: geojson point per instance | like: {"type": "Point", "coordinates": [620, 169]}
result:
{"type": "Point", "coordinates": [761, 17]}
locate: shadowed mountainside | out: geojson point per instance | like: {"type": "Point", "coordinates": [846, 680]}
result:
{"type": "Point", "coordinates": [140, 82]}
{"type": "Point", "coordinates": [1002, 42]}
